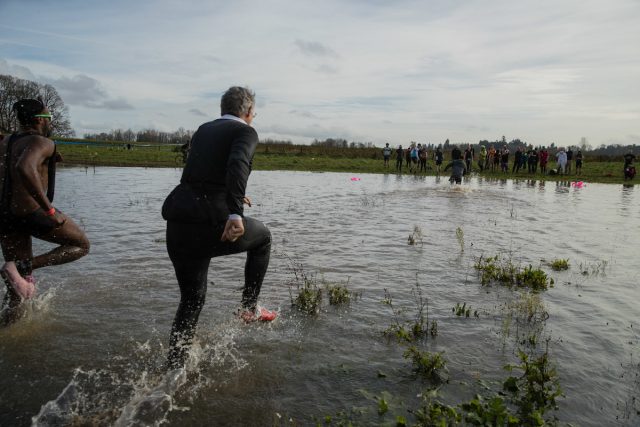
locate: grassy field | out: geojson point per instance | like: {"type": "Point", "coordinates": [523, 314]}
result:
{"type": "Point", "coordinates": [308, 159]}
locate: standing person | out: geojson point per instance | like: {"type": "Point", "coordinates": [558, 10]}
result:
{"type": "Point", "coordinates": [544, 158]}
{"type": "Point", "coordinates": [491, 157]}
{"type": "Point", "coordinates": [482, 160]}
{"type": "Point", "coordinates": [569, 159]}
{"type": "Point", "coordinates": [399, 157]}
{"type": "Point", "coordinates": [533, 161]}
{"type": "Point", "coordinates": [386, 154]}
{"type": "Point", "coordinates": [205, 217]}
{"type": "Point", "coordinates": [628, 169]}
{"type": "Point", "coordinates": [422, 156]}
{"type": "Point", "coordinates": [517, 160]}
{"type": "Point", "coordinates": [579, 162]}
{"type": "Point", "coordinates": [561, 157]}
{"type": "Point", "coordinates": [468, 157]}
{"type": "Point", "coordinates": [414, 158]}
{"type": "Point", "coordinates": [26, 210]}
{"type": "Point", "coordinates": [407, 156]}
{"type": "Point", "coordinates": [504, 159]}
{"type": "Point", "coordinates": [439, 158]}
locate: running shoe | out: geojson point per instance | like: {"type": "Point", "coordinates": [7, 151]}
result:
{"type": "Point", "coordinates": [261, 314]}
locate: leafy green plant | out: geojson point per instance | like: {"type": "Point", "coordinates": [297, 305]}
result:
{"type": "Point", "coordinates": [339, 294]}
{"type": "Point", "coordinates": [307, 296]}
{"type": "Point", "coordinates": [533, 278]}
{"type": "Point", "coordinates": [535, 392]}
{"type": "Point", "coordinates": [428, 365]}
{"type": "Point", "coordinates": [560, 264]}
{"type": "Point", "coordinates": [434, 413]}
{"type": "Point", "coordinates": [495, 269]}
{"type": "Point", "coordinates": [492, 412]}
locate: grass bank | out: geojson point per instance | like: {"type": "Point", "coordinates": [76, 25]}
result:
{"type": "Point", "coordinates": [295, 159]}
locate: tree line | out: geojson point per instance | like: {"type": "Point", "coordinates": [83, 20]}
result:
{"type": "Point", "coordinates": [181, 136]}
{"type": "Point", "coordinates": [13, 89]}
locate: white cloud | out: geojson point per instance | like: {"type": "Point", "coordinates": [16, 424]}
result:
{"type": "Point", "coordinates": [538, 70]}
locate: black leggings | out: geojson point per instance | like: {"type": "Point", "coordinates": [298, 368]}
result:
{"type": "Point", "coordinates": [191, 247]}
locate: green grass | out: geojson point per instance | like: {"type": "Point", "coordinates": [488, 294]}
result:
{"type": "Point", "coordinates": [347, 160]}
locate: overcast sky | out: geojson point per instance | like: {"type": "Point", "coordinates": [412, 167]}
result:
{"type": "Point", "coordinates": [379, 71]}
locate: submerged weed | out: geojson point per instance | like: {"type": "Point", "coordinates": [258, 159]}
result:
{"type": "Point", "coordinates": [306, 291]}
{"type": "Point", "coordinates": [533, 278]}
{"type": "Point", "coordinates": [463, 310]}
{"type": "Point", "coordinates": [460, 238]}
{"type": "Point", "coordinates": [338, 294]}
{"type": "Point", "coordinates": [596, 268]}
{"type": "Point", "coordinates": [415, 238]}
{"type": "Point", "coordinates": [560, 264]}
{"type": "Point", "coordinates": [308, 294]}
{"type": "Point", "coordinates": [414, 329]}
{"type": "Point", "coordinates": [426, 364]}
{"type": "Point", "coordinates": [535, 392]}
{"type": "Point", "coordinates": [494, 269]}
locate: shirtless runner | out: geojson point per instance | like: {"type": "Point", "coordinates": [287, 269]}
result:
{"type": "Point", "coordinates": [27, 180]}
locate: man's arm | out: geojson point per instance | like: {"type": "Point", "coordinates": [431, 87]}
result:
{"type": "Point", "coordinates": [38, 150]}
{"type": "Point", "coordinates": [239, 168]}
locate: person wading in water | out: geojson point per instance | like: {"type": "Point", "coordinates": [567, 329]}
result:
{"type": "Point", "coordinates": [205, 218]}
{"type": "Point", "coordinates": [27, 181]}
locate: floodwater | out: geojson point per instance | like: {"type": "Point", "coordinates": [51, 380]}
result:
{"type": "Point", "coordinates": [91, 349]}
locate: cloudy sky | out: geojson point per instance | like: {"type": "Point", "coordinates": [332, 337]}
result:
{"type": "Point", "coordinates": [365, 70]}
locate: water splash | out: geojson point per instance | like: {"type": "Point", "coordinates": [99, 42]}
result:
{"type": "Point", "coordinates": [140, 393]}
{"type": "Point", "coordinates": [152, 406]}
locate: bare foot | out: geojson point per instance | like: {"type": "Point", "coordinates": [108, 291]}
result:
{"type": "Point", "coordinates": [24, 288]}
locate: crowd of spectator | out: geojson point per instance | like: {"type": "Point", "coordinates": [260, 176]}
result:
{"type": "Point", "coordinates": [493, 159]}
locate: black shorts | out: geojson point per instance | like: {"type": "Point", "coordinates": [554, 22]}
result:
{"type": "Point", "coordinates": [36, 224]}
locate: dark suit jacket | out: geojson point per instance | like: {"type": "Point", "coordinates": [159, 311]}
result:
{"type": "Point", "coordinates": [219, 164]}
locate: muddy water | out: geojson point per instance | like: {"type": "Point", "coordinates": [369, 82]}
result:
{"type": "Point", "coordinates": [92, 345]}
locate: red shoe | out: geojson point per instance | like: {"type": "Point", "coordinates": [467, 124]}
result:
{"type": "Point", "coordinates": [261, 314]}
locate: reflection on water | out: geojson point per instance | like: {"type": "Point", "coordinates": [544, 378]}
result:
{"type": "Point", "coordinates": [93, 345]}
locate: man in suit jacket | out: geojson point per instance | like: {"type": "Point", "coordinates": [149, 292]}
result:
{"type": "Point", "coordinates": [205, 217]}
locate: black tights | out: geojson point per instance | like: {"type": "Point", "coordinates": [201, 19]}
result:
{"type": "Point", "coordinates": [191, 247]}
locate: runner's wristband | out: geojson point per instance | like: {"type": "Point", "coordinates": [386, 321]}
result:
{"type": "Point", "coordinates": [50, 212]}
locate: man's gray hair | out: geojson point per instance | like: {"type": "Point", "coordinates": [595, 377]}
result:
{"type": "Point", "coordinates": [237, 101]}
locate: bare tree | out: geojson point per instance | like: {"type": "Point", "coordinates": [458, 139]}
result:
{"type": "Point", "coordinates": [13, 89]}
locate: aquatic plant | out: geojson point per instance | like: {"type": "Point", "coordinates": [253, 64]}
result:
{"type": "Point", "coordinates": [463, 310]}
{"type": "Point", "coordinates": [527, 312]}
{"type": "Point", "coordinates": [494, 269]}
{"type": "Point", "coordinates": [434, 413]}
{"type": "Point", "coordinates": [415, 238]}
{"type": "Point", "coordinates": [596, 268]}
{"type": "Point", "coordinates": [338, 294]}
{"type": "Point", "coordinates": [308, 294]}
{"type": "Point", "coordinates": [409, 330]}
{"type": "Point", "coordinates": [308, 300]}
{"type": "Point", "coordinates": [427, 364]}
{"type": "Point", "coordinates": [433, 329]}
{"type": "Point", "coordinates": [559, 264]}
{"type": "Point", "coordinates": [533, 278]}
{"type": "Point", "coordinates": [460, 238]}
{"type": "Point", "coordinates": [535, 392]}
